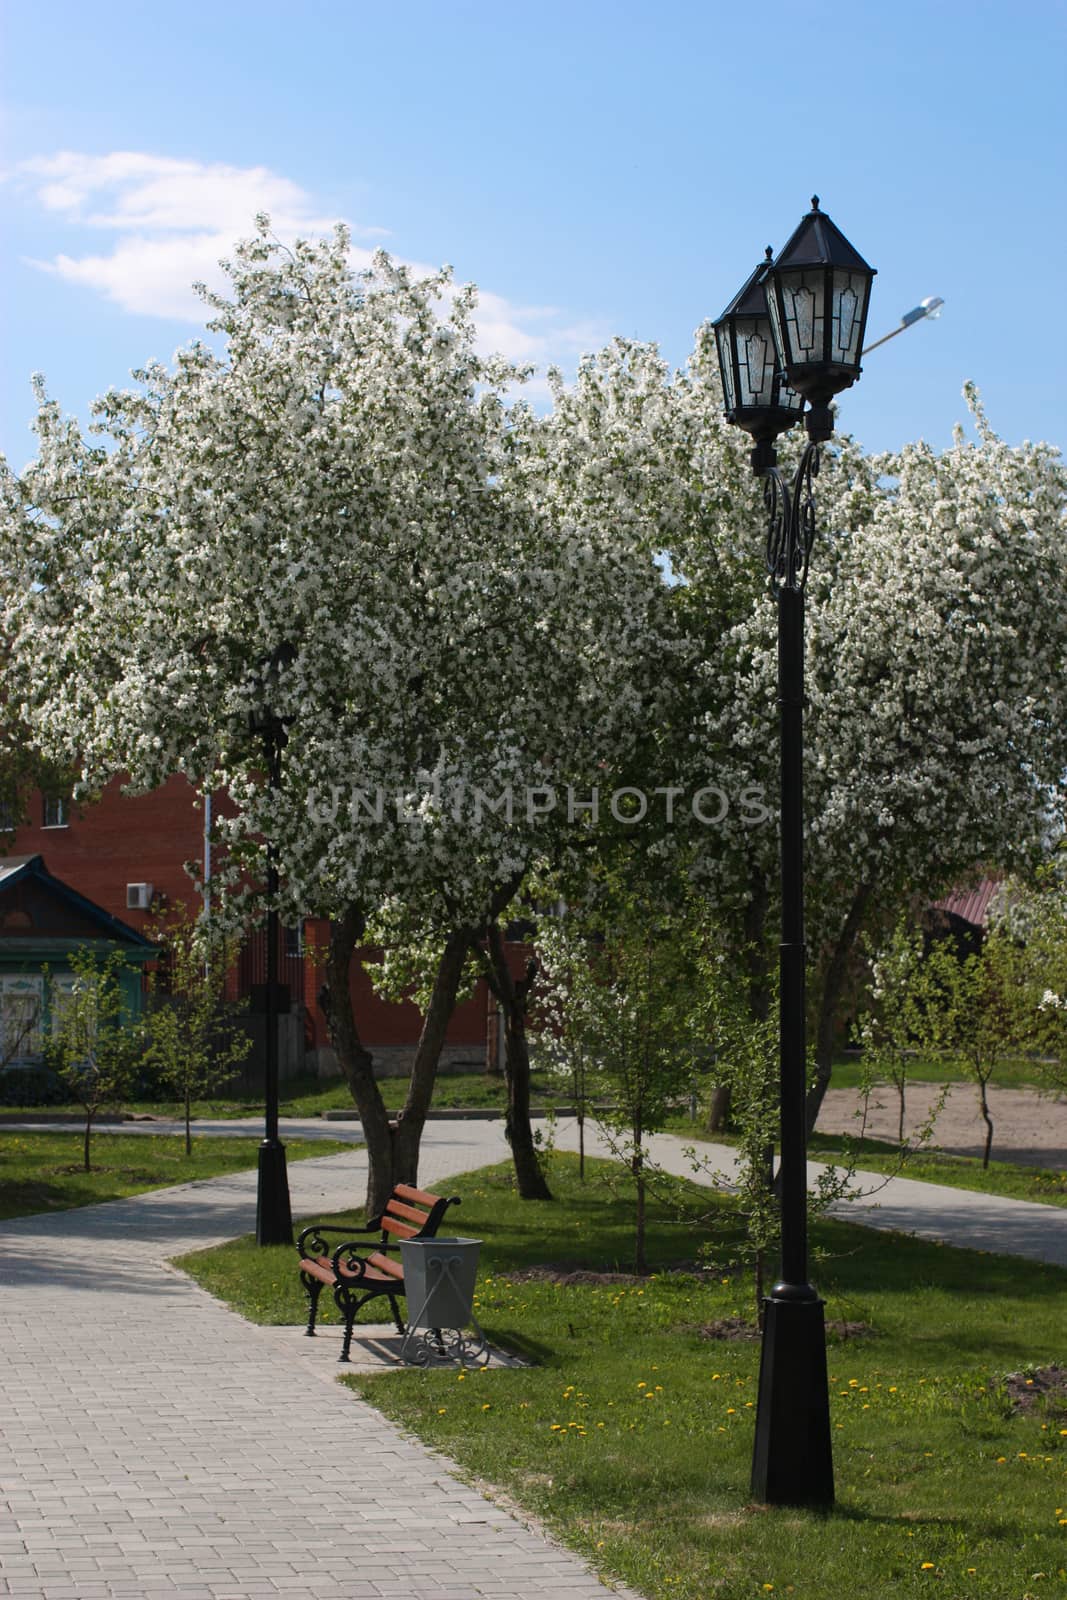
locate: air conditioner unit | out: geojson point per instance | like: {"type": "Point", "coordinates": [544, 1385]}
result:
{"type": "Point", "coordinates": [138, 896]}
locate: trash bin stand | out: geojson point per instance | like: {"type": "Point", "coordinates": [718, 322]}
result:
{"type": "Point", "coordinates": [439, 1279]}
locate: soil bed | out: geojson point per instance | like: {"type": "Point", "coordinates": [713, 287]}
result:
{"type": "Point", "coordinates": [1025, 1390]}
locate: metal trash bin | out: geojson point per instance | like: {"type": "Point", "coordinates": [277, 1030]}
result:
{"type": "Point", "coordinates": [439, 1279]}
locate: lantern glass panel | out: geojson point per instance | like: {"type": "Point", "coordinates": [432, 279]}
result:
{"type": "Point", "coordinates": [803, 302]}
{"type": "Point", "coordinates": [757, 364]}
{"type": "Point", "coordinates": [850, 292]}
{"type": "Point", "coordinates": [788, 398]}
{"type": "Point", "coordinates": [726, 364]}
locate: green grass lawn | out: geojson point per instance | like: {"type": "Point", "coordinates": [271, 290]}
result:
{"type": "Point", "coordinates": [1012, 1180]}
{"type": "Point", "coordinates": [848, 1073]}
{"type": "Point", "coordinates": [631, 1436]}
{"type": "Point", "coordinates": [309, 1097]}
{"type": "Point", "coordinates": [43, 1171]}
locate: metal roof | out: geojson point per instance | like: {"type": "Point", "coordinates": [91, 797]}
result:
{"type": "Point", "coordinates": [14, 867]}
{"type": "Point", "coordinates": [10, 865]}
{"type": "Point", "coordinates": [970, 905]}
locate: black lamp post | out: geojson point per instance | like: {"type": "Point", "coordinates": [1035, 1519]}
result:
{"type": "Point", "coordinates": [274, 1220]}
{"type": "Point", "coordinates": [794, 333]}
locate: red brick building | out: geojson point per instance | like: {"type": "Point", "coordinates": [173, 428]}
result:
{"type": "Point", "coordinates": [128, 854]}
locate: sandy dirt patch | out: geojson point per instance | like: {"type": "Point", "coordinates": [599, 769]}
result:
{"type": "Point", "coordinates": [1028, 1127]}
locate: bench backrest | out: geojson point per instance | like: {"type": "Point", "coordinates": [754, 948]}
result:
{"type": "Point", "coordinates": [412, 1213]}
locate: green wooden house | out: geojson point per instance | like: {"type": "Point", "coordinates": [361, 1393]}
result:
{"type": "Point", "coordinates": [41, 922]}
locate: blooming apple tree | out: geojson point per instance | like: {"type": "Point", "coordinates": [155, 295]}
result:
{"type": "Point", "coordinates": [936, 655]}
{"type": "Point", "coordinates": [316, 528]}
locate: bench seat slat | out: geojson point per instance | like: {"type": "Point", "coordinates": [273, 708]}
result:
{"type": "Point", "coordinates": [406, 1192]}
{"type": "Point", "coordinates": [383, 1264]}
{"type": "Point", "coordinates": [403, 1230]}
{"type": "Point", "coordinates": [367, 1278]}
{"type": "Point", "coordinates": [397, 1208]}
{"type": "Point", "coordinates": [315, 1269]}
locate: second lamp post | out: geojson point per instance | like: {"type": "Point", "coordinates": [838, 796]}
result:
{"type": "Point", "coordinates": [274, 1222]}
{"type": "Point", "coordinates": [793, 334]}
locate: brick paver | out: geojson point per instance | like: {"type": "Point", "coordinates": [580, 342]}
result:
{"type": "Point", "coordinates": [153, 1443]}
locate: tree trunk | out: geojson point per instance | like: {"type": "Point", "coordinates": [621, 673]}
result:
{"type": "Point", "coordinates": [427, 1055]}
{"type": "Point", "coordinates": [988, 1120]}
{"type": "Point", "coordinates": [188, 1120]}
{"type": "Point", "coordinates": [514, 997]}
{"type": "Point", "coordinates": [755, 961]}
{"type": "Point", "coordinates": [832, 990]}
{"type": "Point", "coordinates": [757, 1280]}
{"type": "Point", "coordinates": [88, 1133]}
{"type": "Point", "coordinates": [637, 1168]}
{"type": "Point", "coordinates": [719, 1112]}
{"type": "Point", "coordinates": [356, 1061]}
{"type": "Point", "coordinates": [494, 1041]}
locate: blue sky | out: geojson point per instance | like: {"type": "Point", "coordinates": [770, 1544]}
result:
{"type": "Point", "coordinates": [595, 168]}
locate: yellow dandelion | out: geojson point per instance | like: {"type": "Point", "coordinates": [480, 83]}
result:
{"type": "Point", "coordinates": [927, 1566]}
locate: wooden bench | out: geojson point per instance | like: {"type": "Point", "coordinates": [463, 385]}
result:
{"type": "Point", "coordinates": [358, 1270]}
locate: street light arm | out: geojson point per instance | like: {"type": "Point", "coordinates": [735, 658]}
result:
{"type": "Point", "coordinates": [930, 307]}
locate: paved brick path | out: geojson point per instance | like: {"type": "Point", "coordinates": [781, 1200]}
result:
{"type": "Point", "coordinates": [153, 1443]}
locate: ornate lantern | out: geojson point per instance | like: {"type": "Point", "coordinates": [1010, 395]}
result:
{"type": "Point", "coordinates": [757, 397]}
{"type": "Point", "coordinates": [818, 291]}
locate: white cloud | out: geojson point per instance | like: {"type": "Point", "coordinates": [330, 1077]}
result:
{"type": "Point", "coordinates": [173, 221]}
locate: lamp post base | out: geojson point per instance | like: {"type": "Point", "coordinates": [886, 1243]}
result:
{"type": "Point", "coordinates": [792, 1460]}
{"type": "Point", "coordinates": [274, 1219]}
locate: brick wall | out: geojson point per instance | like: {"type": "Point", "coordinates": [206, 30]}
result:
{"type": "Point", "coordinates": [123, 839]}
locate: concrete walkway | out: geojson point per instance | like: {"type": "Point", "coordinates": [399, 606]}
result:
{"type": "Point", "coordinates": [961, 1217]}
{"type": "Point", "coordinates": [153, 1443]}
